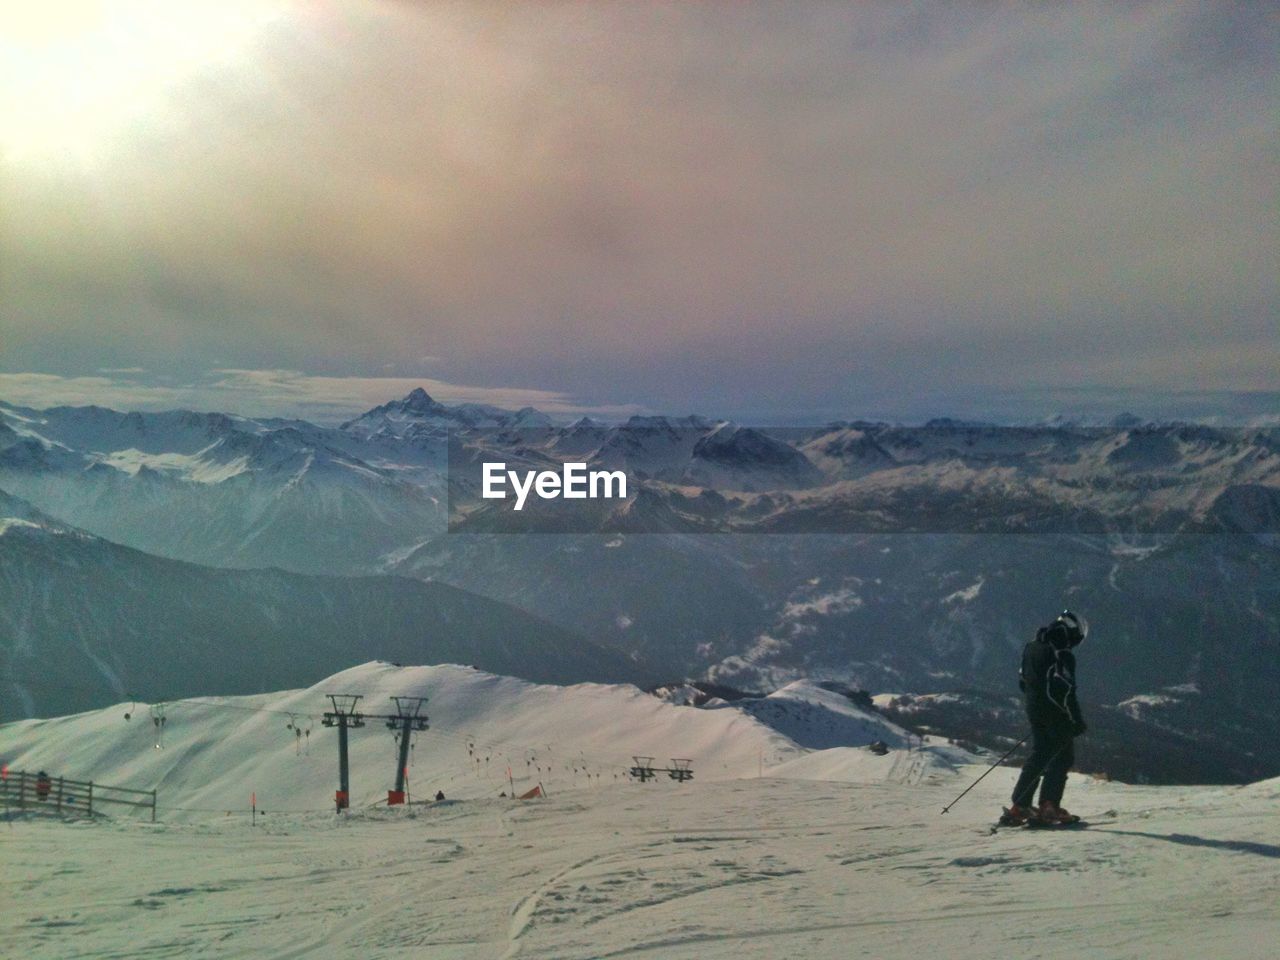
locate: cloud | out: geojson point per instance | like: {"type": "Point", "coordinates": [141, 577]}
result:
{"type": "Point", "coordinates": [275, 393]}
{"type": "Point", "coordinates": [291, 389]}
{"type": "Point", "coordinates": [685, 205]}
{"type": "Point", "coordinates": [49, 390]}
{"type": "Point", "coordinates": [330, 399]}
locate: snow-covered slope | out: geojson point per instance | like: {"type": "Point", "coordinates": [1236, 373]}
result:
{"type": "Point", "coordinates": [216, 750]}
{"type": "Point", "coordinates": [818, 717]}
{"type": "Point", "coordinates": [794, 864]}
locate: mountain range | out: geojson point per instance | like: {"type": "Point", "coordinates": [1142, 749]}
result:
{"type": "Point", "coordinates": [85, 621]}
{"type": "Point", "coordinates": [903, 560]}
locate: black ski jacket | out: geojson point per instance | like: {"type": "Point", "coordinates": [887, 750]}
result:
{"type": "Point", "coordinates": [1048, 683]}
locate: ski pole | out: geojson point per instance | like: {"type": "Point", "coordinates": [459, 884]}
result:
{"type": "Point", "coordinates": [988, 770]}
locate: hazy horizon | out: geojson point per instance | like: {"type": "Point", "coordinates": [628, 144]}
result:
{"type": "Point", "coordinates": [331, 400]}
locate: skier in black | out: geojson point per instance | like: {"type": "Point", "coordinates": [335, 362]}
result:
{"type": "Point", "coordinates": [1048, 682]}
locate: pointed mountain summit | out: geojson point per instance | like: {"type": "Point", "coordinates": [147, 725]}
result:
{"type": "Point", "coordinates": [420, 417]}
{"type": "Point", "coordinates": [419, 401]}
{"type": "Point", "coordinates": [417, 404]}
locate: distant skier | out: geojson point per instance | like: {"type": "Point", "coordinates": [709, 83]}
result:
{"type": "Point", "coordinates": [1048, 682]}
{"type": "Point", "coordinates": [439, 795]}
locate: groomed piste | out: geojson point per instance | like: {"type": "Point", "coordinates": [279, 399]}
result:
{"type": "Point", "coordinates": [774, 849]}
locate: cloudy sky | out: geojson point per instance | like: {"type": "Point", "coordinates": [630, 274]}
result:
{"type": "Point", "coordinates": [779, 211]}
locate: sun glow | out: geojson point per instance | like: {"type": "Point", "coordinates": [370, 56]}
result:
{"type": "Point", "coordinates": [74, 74]}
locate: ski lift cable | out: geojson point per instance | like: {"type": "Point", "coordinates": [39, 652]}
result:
{"type": "Point", "coordinates": [492, 747]}
{"type": "Point", "coordinates": [464, 740]}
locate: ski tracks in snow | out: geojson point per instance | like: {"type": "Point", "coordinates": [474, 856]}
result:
{"type": "Point", "coordinates": [712, 871]}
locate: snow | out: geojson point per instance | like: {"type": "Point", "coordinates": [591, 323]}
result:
{"type": "Point", "coordinates": [967, 594]}
{"type": "Point", "coordinates": [839, 601]}
{"type": "Point", "coordinates": [41, 526]}
{"type": "Point", "coordinates": [216, 750]}
{"type": "Point", "coordinates": [1133, 551]}
{"type": "Point", "coordinates": [392, 558]}
{"type": "Point", "coordinates": [196, 468]}
{"type": "Point", "coordinates": [30, 434]}
{"type": "Point", "coordinates": [1136, 706]}
{"type": "Point", "coordinates": [560, 736]}
{"type": "Point", "coordinates": [10, 523]}
{"type": "Point", "coordinates": [830, 854]}
{"type": "Point", "coordinates": [911, 703]}
{"type": "Point", "coordinates": [825, 720]}
{"type": "Point", "coordinates": [770, 867]}
{"type": "Point", "coordinates": [1146, 700]}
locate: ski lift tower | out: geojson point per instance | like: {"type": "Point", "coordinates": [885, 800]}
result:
{"type": "Point", "coordinates": [409, 717]}
{"type": "Point", "coordinates": [343, 716]}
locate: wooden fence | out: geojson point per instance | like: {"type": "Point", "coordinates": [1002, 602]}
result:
{"type": "Point", "coordinates": [23, 790]}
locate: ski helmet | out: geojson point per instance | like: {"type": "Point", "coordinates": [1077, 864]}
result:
{"type": "Point", "coordinates": [1077, 627]}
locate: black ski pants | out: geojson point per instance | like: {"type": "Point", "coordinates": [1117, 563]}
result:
{"type": "Point", "coordinates": [1052, 754]}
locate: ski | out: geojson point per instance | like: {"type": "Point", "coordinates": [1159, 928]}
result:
{"type": "Point", "coordinates": [1075, 822]}
{"type": "Point", "coordinates": [1078, 823]}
